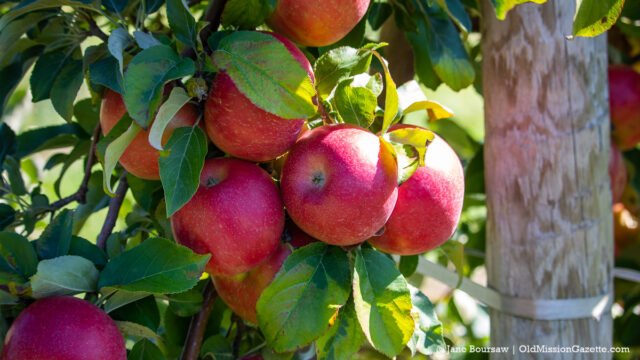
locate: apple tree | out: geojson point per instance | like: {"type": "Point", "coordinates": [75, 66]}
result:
{"type": "Point", "coordinates": [260, 189]}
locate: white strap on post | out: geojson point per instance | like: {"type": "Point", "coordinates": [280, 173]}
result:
{"type": "Point", "coordinates": [536, 309]}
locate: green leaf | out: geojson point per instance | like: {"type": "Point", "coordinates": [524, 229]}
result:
{"type": "Point", "coordinates": [391, 96]}
{"type": "Point", "coordinates": [118, 41]}
{"type": "Point", "coordinates": [455, 10]}
{"type": "Point", "coordinates": [47, 138]}
{"type": "Point", "coordinates": [65, 88]}
{"type": "Point", "coordinates": [31, 6]}
{"type": "Point", "coordinates": [182, 22]}
{"type": "Point", "coordinates": [177, 99]}
{"type": "Point", "coordinates": [113, 153]}
{"type": "Point", "coordinates": [145, 40]}
{"type": "Point", "coordinates": [8, 299]}
{"type": "Point", "coordinates": [145, 78]}
{"type": "Point", "coordinates": [49, 67]}
{"type": "Point", "coordinates": [8, 144]}
{"type": "Point", "coordinates": [187, 303]}
{"type": "Point", "coordinates": [454, 250]}
{"type": "Point", "coordinates": [307, 291]}
{"type": "Point", "coordinates": [88, 250]}
{"type": "Point", "coordinates": [446, 51]}
{"type": "Point", "coordinates": [55, 241]}
{"type": "Point", "coordinates": [17, 255]}
{"type": "Point", "coordinates": [7, 216]}
{"type": "Point", "coordinates": [181, 165]}
{"type": "Point", "coordinates": [87, 114]}
{"type": "Point", "coordinates": [105, 72]}
{"type": "Point", "coordinates": [427, 337]}
{"type": "Point", "coordinates": [356, 105]}
{"type": "Point", "coordinates": [128, 328]}
{"type": "Point", "coordinates": [64, 275]}
{"type": "Point", "coordinates": [16, 29]}
{"type": "Point", "coordinates": [435, 111]}
{"type": "Point", "coordinates": [143, 311]}
{"type": "Point", "coordinates": [596, 16]}
{"type": "Point", "coordinates": [245, 14]}
{"type": "Point", "coordinates": [503, 6]}
{"type": "Point", "coordinates": [337, 65]}
{"type": "Point", "coordinates": [264, 70]}
{"type": "Point", "coordinates": [16, 182]}
{"type": "Point", "coordinates": [119, 298]}
{"type": "Point", "coordinates": [382, 301]}
{"type": "Point", "coordinates": [344, 338]}
{"type": "Point", "coordinates": [408, 265]}
{"type": "Point", "coordinates": [13, 72]}
{"type": "Point", "coordinates": [116, 6]}
{"type": "Point", "coordinates": [216, 347]}
{"type": "Point", "coordinates": [145, 350]}
{"type": "Point", "coordinates": [157, 266]}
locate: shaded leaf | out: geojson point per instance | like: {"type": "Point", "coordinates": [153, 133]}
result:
{"type": "Point", "coordinates": [156, 266]}
{"type": "Point", "coordinates": [245, 14]}
{"type": "Point", "coordinates": [64, 275]}
{"type": "Point", "coordinates": [145, 77]}
{"type": "Point", "coordinates": [427, 337]}
{"type": "Point", "coordinates": [216, 347]}
{"type": "Point", "coordinates": [55, 241]}
{"type": "Point", "coordinates": [145, 40]}
{"type": "Point", "coordinates": [88, 250]}
{"type": "Point", "coordinates": [344, 338]}
{"type": "Point", "coordinates": [145, 350]}
{"type": "Point", "coordinates": [182, 22]}
{"type": "Point", "coordinates": [17, 255]}
{"type": "Point", "coordinates": [311, 285]}
{"type": "Point", "coordinates": [408, 265]}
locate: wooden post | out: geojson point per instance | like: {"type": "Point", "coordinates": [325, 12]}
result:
{"type": "Point", "coordinates": [549, 227]}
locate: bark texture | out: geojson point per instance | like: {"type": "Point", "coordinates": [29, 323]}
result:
{"type": "Point", "coordinates": [549, 227]}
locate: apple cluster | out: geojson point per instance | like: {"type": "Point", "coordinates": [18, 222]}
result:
{"type": "Point", "coordinates": [338, 183]}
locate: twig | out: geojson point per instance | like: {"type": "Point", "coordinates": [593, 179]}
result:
{"type": "Point", "coordinates": [198, 324]}
{"type": "Point", "coordinates": [112, 213]}
{"type": "Point", "coordinates": [238, 338]}
{"type": "Point", "coordinates": [80, 195]}
{"type": "Point", "coordinates": [95, 30]}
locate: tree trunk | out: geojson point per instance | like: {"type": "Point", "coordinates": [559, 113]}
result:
{"type": "Point", "coordinates": [549, 226]}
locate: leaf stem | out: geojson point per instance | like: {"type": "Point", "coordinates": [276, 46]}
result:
{"type": "Point", "coordinates": [240, 329]}
{"type": "Point", "coordinates": [112, 213]}
{"type": "Point", "coordinates": [198, 324]}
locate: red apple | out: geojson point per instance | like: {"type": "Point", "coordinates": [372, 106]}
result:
{"type": "Point", "coordinates": [236, 216]}
{"type": "Point", "coordinates": [296, 237]}
{"type": "Point", "coordinates": [317, 23]}
{"type": "Point", "coordinates": [140, 158]}
{"type": "Point", "coordinates": [63, 328]}
{"type": "Point", "coordinates": [339, 185]}
{"type": "Point", "coordinates": [624, 97]}
{"type": "Point", "coordinates": [241, 292]}
{"type": "Point", "coordinates": [428, 206]}
{"type": "Point", "coordinates": [617, 173]}
{"type": "Point", "coordinates": [242, 129]}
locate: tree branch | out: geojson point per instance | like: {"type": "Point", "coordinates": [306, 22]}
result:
{"type": "Point", "coordinates": [95, 30]}
{"type": "Point", "coordinates": [240, 329]}
{"type": "Point", "coordinates": [198, 324]}
{"type": "Point", "coordinates": [80, 195]}
{"type": "Point", "coordinates": [112, 213]}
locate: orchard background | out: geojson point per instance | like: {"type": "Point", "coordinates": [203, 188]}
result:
{"type": "Point", "coordinates": [74, 222]}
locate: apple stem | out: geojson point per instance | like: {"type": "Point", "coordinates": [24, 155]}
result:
{"type": "Point", "coordinates": [198, 324]}
{"type": "Point", "coordinates": [112, 213]}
